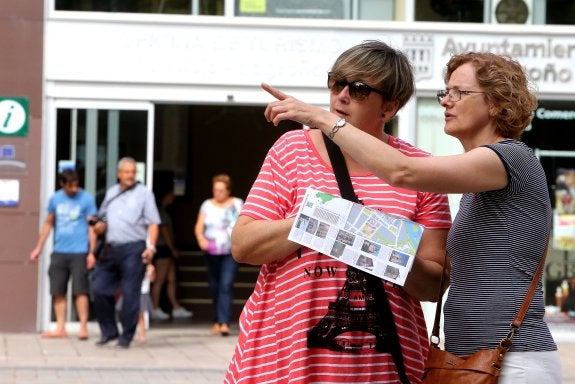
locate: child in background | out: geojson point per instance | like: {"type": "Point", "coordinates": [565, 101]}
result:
{"type": "Point", "coordinates": [146, 306]}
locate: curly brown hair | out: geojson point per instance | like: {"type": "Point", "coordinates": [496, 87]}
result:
{"type": "Point", "coordinates": [506, 86]}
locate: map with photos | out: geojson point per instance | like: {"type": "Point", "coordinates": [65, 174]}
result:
{"type": "Point", "coordinates": [378, 243]}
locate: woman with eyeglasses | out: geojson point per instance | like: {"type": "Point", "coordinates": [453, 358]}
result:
{"type": "Point", "coordinates": [310, 318]}
{"type": "Point", "coordinates": [501, 230]}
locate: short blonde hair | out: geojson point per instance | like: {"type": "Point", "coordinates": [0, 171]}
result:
{"type": "Point", "coordinates": [389, 69]}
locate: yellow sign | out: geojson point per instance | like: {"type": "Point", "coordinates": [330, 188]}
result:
{"type": "Point", "coordinates": [253, 6]}
{"type": "Point", "coordinates": [564, 232]}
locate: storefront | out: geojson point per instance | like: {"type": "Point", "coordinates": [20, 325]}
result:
{"type": "Point", "coordinates": [181, 94]}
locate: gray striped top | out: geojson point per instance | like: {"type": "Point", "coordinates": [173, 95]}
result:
{"type": "Point", "coordinates": [495, 244]}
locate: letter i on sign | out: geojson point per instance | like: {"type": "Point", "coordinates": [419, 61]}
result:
{"type": "Point", "coordinates": [8, 116]}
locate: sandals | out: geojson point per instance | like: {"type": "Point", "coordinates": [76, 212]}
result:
{"type": "Point", "coordinates": [54, 335]}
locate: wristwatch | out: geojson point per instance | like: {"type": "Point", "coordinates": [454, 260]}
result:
{"type": "Point", "coordinates": [152, 248]}
{"type": "Point", "coordinates": [338, 124]}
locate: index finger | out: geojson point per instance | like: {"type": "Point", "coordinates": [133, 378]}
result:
{"type": "Point", "coordinates": [274, 91]}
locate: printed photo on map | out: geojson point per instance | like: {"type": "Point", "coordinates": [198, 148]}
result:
{"type": "Point", "coordinates": [370, 247]}
{"type": "Point", "coordinates": [337, 249]}
{"type": "Point", "coordinates": [312, 225]}
{"type": "Point", "coordinates": [302, 221]}
{"type": "Point", "coordinates": [399, 258]}
{"type": "Point", "coordinates": [345, 237]}
{"type": "Point", "coordinates": [391, 272]}
{"type": "Point", "coordinates": [322, 230]}
{"type": "Point", "coordinates": [364, 262]}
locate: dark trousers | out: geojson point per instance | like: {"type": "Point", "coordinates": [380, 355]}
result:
{"type": "Point", "coordinates": [119, 266]}
{"type": "Point", "coordinates": [222, 271]}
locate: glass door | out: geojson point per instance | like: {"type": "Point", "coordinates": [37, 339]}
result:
{"type": "Point", "coordinates": [92, 140]}
{"type": "Point", "coordinates": [91, 137]}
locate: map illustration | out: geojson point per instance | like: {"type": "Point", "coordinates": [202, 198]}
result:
{"type": "Point", "coordinates": [381, 244]}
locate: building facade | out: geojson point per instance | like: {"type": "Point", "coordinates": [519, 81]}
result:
{"type": "Point", "coordinates": [176, 85]}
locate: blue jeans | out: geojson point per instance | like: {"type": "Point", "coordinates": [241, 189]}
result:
{"type": "Point", "coordinates": [122, 267]}
{"type": "Point", "coordinates": [222, 271]}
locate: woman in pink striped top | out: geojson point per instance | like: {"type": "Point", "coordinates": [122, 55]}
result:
{"type": "Point", "coordinates": [309, 319]}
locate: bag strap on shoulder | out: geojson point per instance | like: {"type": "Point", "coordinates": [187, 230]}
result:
{"type": "Point", "coordinates": [106, 203]}
{"type": "Point", "coordinates": [347, 192]}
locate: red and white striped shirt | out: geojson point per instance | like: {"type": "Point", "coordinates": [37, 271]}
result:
{"type": "Point", "coordinates": [293, 294]}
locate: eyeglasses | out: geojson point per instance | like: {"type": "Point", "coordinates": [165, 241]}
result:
{"type": "Point", "coordinates": [453, 93]}
{"type": "Point", "coordinates": [358, 90]}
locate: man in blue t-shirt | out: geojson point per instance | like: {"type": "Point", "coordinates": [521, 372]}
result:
{"type": "Point", "coordinates": [69, 211]}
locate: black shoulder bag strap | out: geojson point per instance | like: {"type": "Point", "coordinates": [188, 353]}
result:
{"type": "Point", "coordinates": [105, 206]}
{"type": "Point", "coordinates": [101, 242]}
{"type": "Point", "coordinates": [346, 189]}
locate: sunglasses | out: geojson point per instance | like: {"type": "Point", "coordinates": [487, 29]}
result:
{"type": "Point", "coordinates": [358, 90]}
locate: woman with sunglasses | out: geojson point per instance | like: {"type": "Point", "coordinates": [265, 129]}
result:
{"type": "Point", "coordinates": [305, 322]}
{"type": "Point", "coordinates": [502, 228]}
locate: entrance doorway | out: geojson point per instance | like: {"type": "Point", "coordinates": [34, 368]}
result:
{"type": "Point", "coordinates": [192, 144]}
{"type": "Point", "coordinates": [91, 137]}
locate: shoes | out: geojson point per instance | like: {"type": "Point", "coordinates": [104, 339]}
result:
{"type": "Point", "coordinates": [83, 337]}
{"type": "Point", "coordinates": [105, 340]}
{"type": "Point", "coordinates": [121, 345]}
{"type": "Point", "coordinates": [54, 335]}
{"type": "Point", "coordinates": [181, 313]}
{"type": "Point", "coordinates": [225, 330]}
{"type": "Point", "coordinates": [215, 328]}
{"type": "Point", "coordinates": [158, 314]}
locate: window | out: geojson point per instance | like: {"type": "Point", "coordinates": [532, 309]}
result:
{"type": "Point", "coordinates": [317, 9]}
{"type": "Point", "coordinates": [470, 11]}
{"type": "Point", "coordinates": [560, 12]}
{"type": "Point", "coordinates": [185, 7]}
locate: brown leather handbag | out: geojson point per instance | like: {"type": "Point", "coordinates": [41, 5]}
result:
{"type": "Point", "coordinates": [482, 367]}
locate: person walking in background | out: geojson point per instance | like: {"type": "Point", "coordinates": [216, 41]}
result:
{"type": "Point", "coordinates": [502, 227]}
{"type": "Point", "coordinates": [282, 338]}
{"type": "Point", "coordinates": [165, 262]}
{"type": "Point", "coordinates": [131, 227]}
{"type": "Point", "coordinates": [213, 230]}
{"type": "Point", "coordinates": [69, 211]}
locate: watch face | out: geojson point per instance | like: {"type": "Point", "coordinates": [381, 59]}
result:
{"type": "Point", "coordinates": [512, 12]}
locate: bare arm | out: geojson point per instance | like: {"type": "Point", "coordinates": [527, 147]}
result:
{"type": "Point", "coordinates": [199, 232]}
{"type": "Point", "coordinates": [148, 253]}
{"type": "Point", "coordinates": [167, 236]}
{"type": "Point", "coordinates": [423, 280]}
{"type": "Point", "coordinates": [44, 233]}
{"type": "Point", "coordinates": [443, 174]}
{"type": "Point", "coordinates": [261, 241]}
{"type": "Point", "coordinates": [92, 239]}
{"type": "Point", "coordinates": [153, 234]}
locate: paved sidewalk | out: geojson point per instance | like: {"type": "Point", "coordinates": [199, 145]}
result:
{"type": "Point", "coordinates": [184, 354]}
{"type": "Point", "coordinates": [172, 354]}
